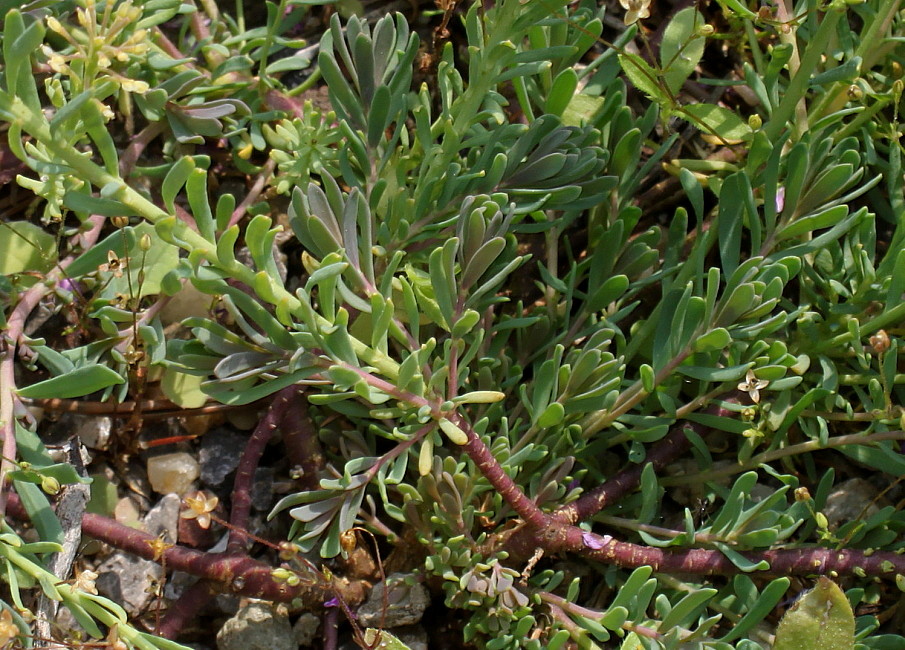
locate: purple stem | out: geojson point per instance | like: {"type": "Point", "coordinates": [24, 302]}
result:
{"type": "Point", "coordinates": [556, 536]}
{"type": "Point", "coordinates": [245, 474]}
{"type": "Point", "coordinates": [185, 609]}
{"type": "Point", "coordinates": [331, 628]}
{"type": "Point", "coordinates": [240, 575]}
{"type": "Point", "coordinates": [300, 439]}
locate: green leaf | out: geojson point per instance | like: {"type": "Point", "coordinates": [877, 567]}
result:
{"type": "Point", "coordinates": [709, 373]}
{"type": "Point", "coordinates": [822, 619]}
{"type": "Point", "coordinates": [686, 610]}
{"type": "Point", "coordinates": [26, 247]}
{"type": "Point", "coordinates": [643, 77]}
{"type": "Point", "coordinates": [174, 181]}
{"type": "Point", "coordinates": [87, 204]}
{"type": "Point", "coordinates": [453, 432]}
{"type": "Point", "coordinates": [183, 389]}
{"type": "Point", "coordinates": [39, 511]}
{"type": "Point", "coordinates": [150, 266]}
{"type": "Point", "coordinates": [560, 96]}
{"type": "Point", "coordinates": [719, 121]}
{"type": "Point", "coordinates": [682, 48]}
{"type": "Point", "coordinates": [611, 290]}
{"type": "Point", "coordinates": [582, 109]}
{"type": "Point", "coordinates": [552, 416]}
{"type": "Point", "coordinates": [766, 601]}
{"type": "Point", "coordinates": [81, 381]}
{"type": "Point", "coordinates": [715, 339]}
{"type": "Point", "coordinates": [804, 225]}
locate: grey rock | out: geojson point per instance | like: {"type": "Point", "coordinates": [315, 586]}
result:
{"type": "Point", "coordinates": [405, 603]}
{"type": "Point", "coordinates": [850, 500]}
{"type": "Point", "coordinates": [129, 581]}
{"type": "Point", "coordinates": [256, 626]}
{"type": "Point", "coordinates": [414, 636]}
{"type": "Point", "coordinates": [177, 583]}
{"type": "Point", "coordinates": [95, 432]}
{"type": "Point", "coordinates": [262, 490]}
{"type": "Point", "coordinates": [163, 518]}
{"type": "Point", "coordinates": [306, 629]}
{"type": "Point", "coordinates": [219, 455]}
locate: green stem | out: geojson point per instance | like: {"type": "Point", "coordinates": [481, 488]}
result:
{"type": "Point", "coordinates": [799, 84]}
{"type": "Point", "coordinates": [630, 397]}
{"type": "Point", "coordinates": [792, 450]}
{"type": "Point", "coordinates": [886, 319]}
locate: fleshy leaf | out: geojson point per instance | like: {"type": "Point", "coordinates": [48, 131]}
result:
{"type": "Point", "coordinates": [822, 619]}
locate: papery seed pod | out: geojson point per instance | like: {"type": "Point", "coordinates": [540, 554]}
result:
{"type": "Point", "coordinates": [802, 494]}
{"type": "Point", "coordinates": [880, 342]}
{"type": "Point", "coordinates": [348, 540]}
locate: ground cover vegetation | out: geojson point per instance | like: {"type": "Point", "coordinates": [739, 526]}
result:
{"type": "Point", "coordinates": [585, 316]}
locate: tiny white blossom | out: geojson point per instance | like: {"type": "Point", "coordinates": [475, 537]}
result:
{"type": "Point", "coordinates": [752, 385]}
{"type": "Point", "coordinates": [635, 10]}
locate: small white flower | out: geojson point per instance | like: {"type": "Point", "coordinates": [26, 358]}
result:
{"type": "Point", "coordinates": [635, 10]}
{"type": "Point", "coordinates": [752, 385]}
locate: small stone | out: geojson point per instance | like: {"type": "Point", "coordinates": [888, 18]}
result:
{"type": "Point", "coordinates": [163, 518]}
{"type": "Point", "coordinates": [850, 500]}
{"type": "Point", "coordinates": [95, 432]}
{"type": "Point", "coordinates": [219, 455]}
{"type": "Point", "coordinates": [126, 511]}
{"type": "Point", "coordinates": [305, 629]}
{"type": "Point", "coordinates": [129, 580]}
{"type": "Point", "coordinates": [172, 473]}
{"type": "Point", "coordinates": [256, 626]}
{"type": "Point", "coordinates": [405, 604]}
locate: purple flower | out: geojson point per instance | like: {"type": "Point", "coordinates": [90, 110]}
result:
{"type": "Point", "coordinates": [333, 602]}
{"type": "Point", "coordinates": [592, 541]}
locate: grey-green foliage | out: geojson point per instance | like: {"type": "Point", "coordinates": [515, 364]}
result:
{"type": "Point", "coordinates": [415, 213]}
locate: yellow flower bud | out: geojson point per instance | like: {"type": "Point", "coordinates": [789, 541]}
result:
{"type": "Point", "coordinates": [50, 485]}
